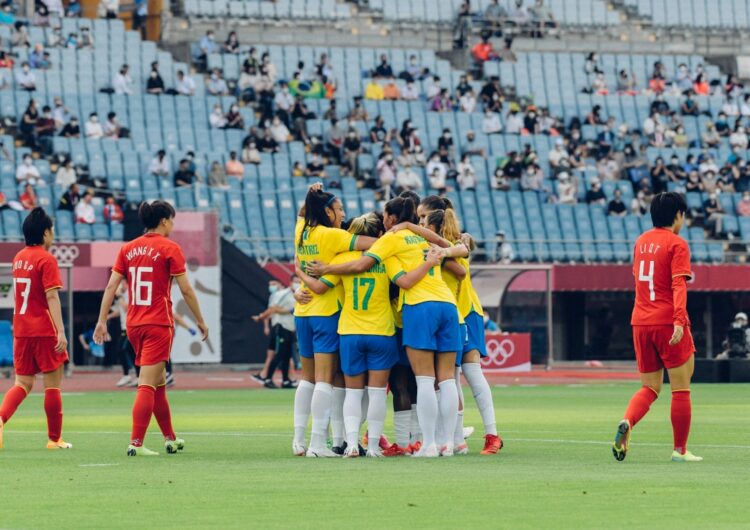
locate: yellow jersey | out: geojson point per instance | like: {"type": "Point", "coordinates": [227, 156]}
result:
{"type": "Point", "coordinates": [321, 243]}
{"type": "Point", "coordinates": [411, 249]}
{"type": "Point", "coordinates": [457, 286]}
{"type": "Point", "coordinates": [366, 304]}
{"type": "Point", "coordinates": [471, 303]}
{"type": "Point", "coordinates": [397, 316]}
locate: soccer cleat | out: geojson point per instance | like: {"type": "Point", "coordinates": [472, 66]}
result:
{"type": "Point", "coordinates": [339, 449]}
{"type": "Point", "coordinates": [289, 383]}
{"type": "Point", "coordinates": [468, 431]}
{"type": "Point", "coordinates": [134, 450]}
{"type": "Point", "coordinates": [59, 444]}
{"type": "Point", "coordinates": [430, 451]}
{"type": "Point", "coordinates": [461, 449]}
{"type": "Point", "coordinates": [374, 453]}
{"type": "Point", "coordinates": [124, 380]}
{"type": "Point", "coordinates": [269, 384]}
{"type": "Point", "coordinates": [687, 456]}
{"type": "Point", "coordinates": [382, 443]}
{"type": "Point", "coordinates": [414, 448]}
{"type": "Point", "coordinates": [622, 440]}
{"type": "Point", "coordinates": [395, 450]}
{"type": "Point", "coordinates": [446, 450]}
{"type": "Point", "coordinates": [259, 378]}
{"type": "Point", "coordinates": [351, 452]}
{"type": "Point", "coordinates": [172, 446]}
{"type": "Point", "coordinates": [321, 453]}
{"type": "Point", "coordinates": [298, 449]}
{"type": "Point", "coordinates": [492, 444]}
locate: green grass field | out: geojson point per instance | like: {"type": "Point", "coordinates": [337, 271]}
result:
{"type": "Point", "coordinates": [556, 469]}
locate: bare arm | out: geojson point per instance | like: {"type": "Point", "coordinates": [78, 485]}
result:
{"type": "Point", "coordinates": [313, 284]}
{"type": "Point", "coordinates": [426, 233]}
{"type": "Point", "coordinates": [100, 333]}
{"type": "Point", "coordinates": [458, 270]}
{"type": "Point", "coordinates": [318, 268]}
{"type": "Point", "coordinates": [192, 302]}
{"type": "Point", "coordinates": [411, 278]}
{"type": "Point", "coordinates": [83, 342]}
{"type": "Point", "coordinates": [179, 320]}
{"type": "Point", "coordinates": [364, 242]}
{"type": "Point", "coordinates": [55, 310]}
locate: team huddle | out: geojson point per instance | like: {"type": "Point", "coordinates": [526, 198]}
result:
{"type": "Point", "coordinates": [387, 302]}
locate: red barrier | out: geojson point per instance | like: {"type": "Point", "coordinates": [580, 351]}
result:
{"type": "Point", "coordinates": [509, 352]}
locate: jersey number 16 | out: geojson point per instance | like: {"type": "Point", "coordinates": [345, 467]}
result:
{"type": "Point", "coordinates": [140, 288]}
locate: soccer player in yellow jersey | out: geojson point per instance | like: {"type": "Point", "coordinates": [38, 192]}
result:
{"type": "Point", "coordinates": [430, 320]}
{"type": "Point", "coordinates": [318, 236]}
{"type": "Point", "coordinates": [368, 346]}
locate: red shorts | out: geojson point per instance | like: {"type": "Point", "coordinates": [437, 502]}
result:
{"type": "Point", "coordinates": [32, 355]}
{"type": "Point", "coordinates": [152, 344]}
{"type": "Point", "coordinates": [652, 349]}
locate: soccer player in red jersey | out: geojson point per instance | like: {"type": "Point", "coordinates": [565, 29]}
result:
{"type": "Point", "coordinates": [661, 327]}
{"type": "Point", "coordinates": [150, 263]}
{"type": "Point", "coordinates": [39, 343]}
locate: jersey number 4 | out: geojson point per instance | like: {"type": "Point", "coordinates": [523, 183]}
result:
{"type": "Point", "coordinates": [26, 283]}
{"type": "Point", "coordinates": [140, 288]}
{"type": "Point", "coordinates": [369, 284]}
{"type": "Point", "coordinates": [647, 278]}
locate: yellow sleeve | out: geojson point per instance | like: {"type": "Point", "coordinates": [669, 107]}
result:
{"type": "Point", "coordinates": [331, 280]}
{"type": "Point", "coordinates": [393, 269]}
{"type": "Point", "coordinates": [339, 240]}
{"type": "Point", "coordinates": [384, 248]}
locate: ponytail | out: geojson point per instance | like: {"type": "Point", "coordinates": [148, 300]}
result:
{"type": "Point", "coordinates": [151, 214]}
{"type": "Point", "coordinates": [403, 208]}
{"type": "Point", "coordinates": [314, 210]}
{"type": "Point", "coordinates": [446, 224]}
{"type": "Point", "coordinates": [369, 224]}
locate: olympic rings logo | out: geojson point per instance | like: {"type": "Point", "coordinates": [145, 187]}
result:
{"type": "Point", "coordinates": [65, 254]}
{"type": "Point", "coordinates": [499, 351]}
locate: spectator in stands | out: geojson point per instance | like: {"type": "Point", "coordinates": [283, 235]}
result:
{"type": "Point", "coordinates": [74, 9]}
{"type": "Point", "coordinates": [513, 120]}
{"type": "Point", "coordinates": [234, 118]}
{"type": "Point", "coordinates": [352, 149]}
{"type": "Point", "coordinates": [66, 174]}
{"type": "Point", "coordinates": [279, 131]}
{"type": "Point", "coordinates": [84, 211]}
{"type": "Point", "coordinates": [591, 65]}
{"type": "Point", "coordinates": [122, 83]}
{"type": "Point", "coordinates": [112, 128]}
{"type": "Point", "coordinates": [745, 107]}
{"type": "Point", "coordinates": [71, 129]}
{"type": "Point", "coordinates": [701, 86]}
{"type": "Point", "coordinates": [595, 195]}
{"type": "Point", "coordinates": [468, 101]}
{"type": "Point", "coordinates": [251, 61]}
{"type": "Point", "coordinates": [38, 58]}
{"type": "Point", "coordinates": [6, 61]}
{"type": "Point", "coordinates": [437, 171]}
{"type": "Point", "coordinates": [466, 177]}
{"type": "Point", "coordinates": [682, 80]}
{"type": "Point", "coordinates": [358, 112]}
{"type": "Point", "coordinates": [331, 112]}
{"type": "Point", "coordinates": [217, 119]}
{"type": "Point", "coordinates": [407, 178]}
{"type": "Point", "coordinates": [70, 198]}
{"type": "Point", "coordinates": [155, 83]}
{"type": "Point", "coordinates": [378, 133]}
{"type": "Point", "coordinates": [217, 177]}
{"type": "Point", "coordinates": [714, 214]}
{"type": "Point", "coordinates": [300, 115]}
{"type": "Point", "coordinates": [87, 40]}
{"type": "Point", "coordinates": [506, 54]}
{"type": "Point", "coordinates": [391, 90]}
{"type": "Point", "coordinates": [283, 102]}
{"type": "Point", "coordinates": [710, 182]}
{"type": "Point", "coordinates": [185, 86]}
{"type": "Point", "coordinates": [25, 78]}
{"type": "Point", "coordinates": [657, 82]}
{"type": "Point", "coordinates": [234, 167]}
{"type": "Point", "coordinates": [383, 69]}
{"type": "Point", "coordinates": [45, 130]}
{"type": "Point", "coordinates": [542, 18]}
{"type": "Point", "coordinates": [640, 203]}
{"type": "Point", "coordinates": [159, 166]}
{"type": "Point", "coordinates": [183, 177]}
{"type": "Point", "coordinates": [566, 189]}
{"type": "Point", "coordinates": [60, 113]}
{"type": "Point", "coordinates": [494, 17]}
{"type": "Point", "coordinates": [743, 206]}
{"type": "Point", "coordinates": [315, 167]}
{"type": "Point", "coordinates": [28, 198]}
{"type": "Point", "coordinates": [92, 128]}
{"type": "Point", "coordinates": [595, 116]}
{"type": "Point", "coordinates": [708, 165]}
{"type": "Point", "coordinates": [374, 91]}
{"type": "Point", "coordinates": [730, 108]}
{"type": "Point", "coordinates": [462, 26]}
{"type": "Point", "coordinates": [607, 168]}
{"type": "Point", "coordinates": [108, 9]}
{"type": "Point", "coordinates": [491, 94]}
{"type": "Point", "coordinates": [482, 51]}
{"type": "Point", "coordinates": [7, 16]}
{"type": "Point", "coordinates": [72, 42]}
{"type": "Point", "coordinates": [722, 125]}
{"type": "Point", "coordinates": [267, 143]}
{"type": "Point", "coordinates": [738, 138]}
{"type": "Point", "coordinates": [112, 211]}
{"type": "Point", "coordinates": [232, 44]}
{"type": "Point", "coordinates": [530, 121]}
{"type": "Point", "coordinates": [216, 85]}
{"type": "Point", "coordinates": [616, 205]}
{"type": "Point", "coordinates": [626, 83]}
{"type": "Point", "coordinates": [491, 122]}
{"type": "Point", "coordinates": [385, 169]}
{"type": "Point", "coordinates": [711, 137]}
{"type": "Point", "coordinates": [410, 92]}
{"type": "Point", "coordinates": [471, 147]}
{"type": "Point", "coordinates": [694, 183]}
{"type": "Point", "coordinates": [532, 179]}
{"type": "Point", "coordinates": [28, 172]}
{"type": "Point", "coordinates": [500, 180]}
{"type": "Point", "coordinates": [434, 88]}
{"type": "Point", "coordinates": [689, 106]}
{"type": "Point", "coordinates": [335, 137]}
{"type": "Point", "coordinates": [20, 35]}
{"type": "Point", "coordinates": [733, 87]}
{"type": "Point", "coordinates": [503, 250]}
{"type": "Point", "coordinates": [445, 142]}
{"type": "Point", "coordinates": [518, 14]}
{"type": "Point", "coordinates": [250, 153]}
{"type": "Point", "coordinates": [27, 127]}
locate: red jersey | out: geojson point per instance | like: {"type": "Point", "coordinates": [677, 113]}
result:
{"type": "Point", "coordinates": [149, 263]}
{"type": "Point", "coordinates": [661, 261]}
{"type": "Point", "coordinates": [35, 272]}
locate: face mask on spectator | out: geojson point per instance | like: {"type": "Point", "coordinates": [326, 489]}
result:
{"type": "Point", "coordinates": [94, 119]}
{"type": "Point", "coordinates": [27, 161]}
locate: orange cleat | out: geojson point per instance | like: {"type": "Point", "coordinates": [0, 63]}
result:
{"type": "Point", "coordinates": [383, 443]}
{"type": "Point", "coordinates": [492, 444]}
{"type": "Point", "coordinates": [395, 450]}
{"type": "Point", "coordinates": [414, 448]}
{"type": "Point", "coordinates": [59, 444]}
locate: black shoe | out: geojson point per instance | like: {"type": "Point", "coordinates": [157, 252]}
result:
{"type": "Point", "coordinates": [362, 450]}
{"type": "Point", "coordinates": [258, 378]}
{"type": "Point", "coordinates": [268, 383]}
{"type": "Point", "coordinates": [289, 383]}
{"type": "Point", "coordinates": [339, 449]}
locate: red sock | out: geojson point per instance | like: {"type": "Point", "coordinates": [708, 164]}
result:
{"type": "Point", "coordinates": [12, 399]}
{"type": "Point", "coordinates": [53, 409]}
{"type": "Point", "coordinates": [162, 413]}
{"type": "Point", "coordinates": [681, 415]}
{"type": "Point", "coordinates": [143, 407]}
{"type": "Point", "coordinates": [639, 404]}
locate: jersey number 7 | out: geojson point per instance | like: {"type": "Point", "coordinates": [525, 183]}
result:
{"type": "Point", "coordinates": [647, 278]}
{"type": "Point", "coordinates": [26, 282]}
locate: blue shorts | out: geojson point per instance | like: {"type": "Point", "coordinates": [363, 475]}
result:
{"type": "Point", "coordinates": [463, 338]}
{"type": "Point", "coordinates": [431, 326]}
{"type": "Point", "coordinates": [360, 353]}
{"type": "Point", "coordinates": [475, 325]}
{"type": "Point", "coordinates": [403, 359]}
{"type": "Point", "coordinates": [317, 335]}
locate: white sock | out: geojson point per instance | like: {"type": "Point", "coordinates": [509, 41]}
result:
{"type": "Point", "coordinates": [427, 408]}
{"type": "Point", "coordinates": [482, 394]}
{"type": "Point", "coordinates": [365, 404]}
{"type": "Point", "coordinates": [337, 416]}
{"type": "Point", "coordinates": [440, 437]}
{"type": "Point", "coordinates": [302, 399]}
{"type": "Point", "coordinates": [401, 420]}
{"type": "Point", "coordinates": [321, 413]}
{"type": "Point", "coordinates": [448, 407]}
{"type": "Point", "coordinates": [415, 431]}
{"type": "Point", "coordinates": [375, 415]}
{"type": "Point", "coordinates": [458, 432]}
{"type": "Point", "coordinates": [352, 412]}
